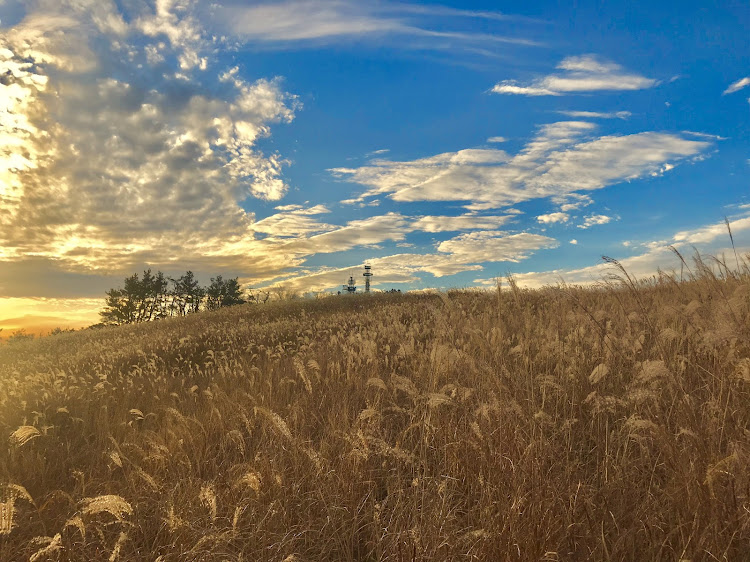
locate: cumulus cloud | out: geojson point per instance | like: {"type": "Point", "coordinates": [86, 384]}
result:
{"type": "Point", "coordinates": [586, 73]}
{"type": "Point", "coordinates": [562, 159]}
{"type": "Point", "coordinates": [737, 86]}
{"type": "Point", "coordinates": [594, 220]}
{"type": "Point", "coordinates": [112, 148]}
{"type": "Point", "coordinates": [552, 218]}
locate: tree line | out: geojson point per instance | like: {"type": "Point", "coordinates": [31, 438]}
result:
{"type": "Point", "coordinates": [153, 296]}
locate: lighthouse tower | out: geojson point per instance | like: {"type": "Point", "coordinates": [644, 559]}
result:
{"type": "Point", "coordinates": [367, 274]}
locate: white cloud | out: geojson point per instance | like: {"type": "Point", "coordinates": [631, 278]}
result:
{"type": "Point", "coordinates": [483, 246]}
{"type": "Point", "coordinates": [173, 20]}
{"type": "Point", "coordinates": [561, 160]}
{"type": "Point", "coordinates": [552, 218]}
{"type": "Point", "coordinates": [704, 135]}
{"type": "Point", "coordinates": [301, 210]}
{"type": "Point", "coordinates": [472, 251]}
{"type": "Point", "coordinates": [737, 86]}
{"type": "Point", "coordinates": [327, 21]}
{"type": "Point", "coordinates": [103, 168]}
{"type": "Point", "coordinates": [579, 200]}
{"type": "Point", "coordinates": [463, 222]}
{"type": "Point", "coordinates": [596, 114]}
{"type": "Point", "coordinates": [658, 257]}
{"type": "Point", "coordinates": [377, 229]}
{"type": "Point", "coordinates": [293, 221]}
{"type": "Point", "coordinates": [594, 220]}
{"type": "Point", "coordinates": [710, 233]}
{"type": "Point", "coordinates": [374, 230]}
{"type": "Point", "coordinates": [586, 73]}
{"type": "Point", "coordinates": [465, 252]}
{"type": "Point", "coordinates": [512, 87]}
{"type": "Point", "coordinates": [304, 20]}
{"type": "Point", "coordinates": [497, 139]}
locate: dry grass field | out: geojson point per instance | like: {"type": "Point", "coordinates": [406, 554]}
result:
{"type": "Point", "coordinates": [606, 423]}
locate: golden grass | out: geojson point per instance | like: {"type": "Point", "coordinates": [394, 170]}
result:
{"type": "Point", "coordinates": [609, 423]}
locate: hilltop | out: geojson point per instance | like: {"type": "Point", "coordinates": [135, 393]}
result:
{"type": "Point", "coordinates": [565, 423]}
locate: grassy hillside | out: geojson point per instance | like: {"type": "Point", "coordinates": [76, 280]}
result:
{"type": "Point", "coordinates": [562, 424]}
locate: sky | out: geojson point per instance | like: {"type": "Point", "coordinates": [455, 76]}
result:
{"type": "Point", "coordinates": [288, 143]}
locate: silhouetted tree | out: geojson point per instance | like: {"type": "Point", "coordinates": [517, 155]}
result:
{"type": "Point", "coordinates": [151, 295]}
{"type": "Point", "coordinates": [258, 295]}
{"type": "Point", "coordinates": [140, 299]}
{"type": "Point", "coordinates": [223, 292]}
{"type": "Point", "coordinates": [120, 304]}
{"type": "Point", "coordinates": [186, 294]}
{"type": "Point", "coordinates": [146, 298]}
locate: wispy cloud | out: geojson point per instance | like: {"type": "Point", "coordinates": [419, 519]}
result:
{"type": "Point", "coordinates": [465, 252]}
{"type": "Point", "coordinates": [586, 73]}
{"type": "Point", "coordinates": [658, 256]}
{"type": "Point", "coordinates": [293, 221]}
{"type": "Point", "coordinates": [301, 22]}
{"type": "Point", "coordinates": [496, 139]}
{"type": "Point", "coordinates": [709, 233]}
{"type": "Point", "coordinates": [562, 159]}
{"type": "Point", "coordinates": [737, 86]}
{"type": "Point", "coordinates": [457, 223]}
{"type": "Point", "coordinates": [596, 114]}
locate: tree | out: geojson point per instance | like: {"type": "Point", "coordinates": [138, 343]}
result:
{"type": "Point", "coordinates": [119, 306]}
{"type": "Point", "coordinates": [151, 295]}
{"type": "Point", "coordinates": [146, 298]}
{"type": "Point", "coordinates": [19, 336]}
{"type": "Point", "coordinates": [221, 293]}
{"type": "Point", "coordinates": [140, 300]}
{"type": "Point", "coordinates": [186, 294]}
{"type": "Point", "coordinates": [258, 295]}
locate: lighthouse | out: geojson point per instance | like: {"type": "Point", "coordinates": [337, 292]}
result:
{"type": "Point", "coordinates": [367, 274]}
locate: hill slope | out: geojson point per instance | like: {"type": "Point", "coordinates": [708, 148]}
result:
{"type": "Point", "coordinates": [568, 423]}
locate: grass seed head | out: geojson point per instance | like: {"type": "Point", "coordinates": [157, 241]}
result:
{"type": "Point", "coordinates": [7, 513]}
{"type": "Point", "coordinates": [23, 435]}
{"type": "Point", "coordinates": [112, 504]}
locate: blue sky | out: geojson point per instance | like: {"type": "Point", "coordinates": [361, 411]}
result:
{"type": "Point", "coordinates": [289, 142]}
